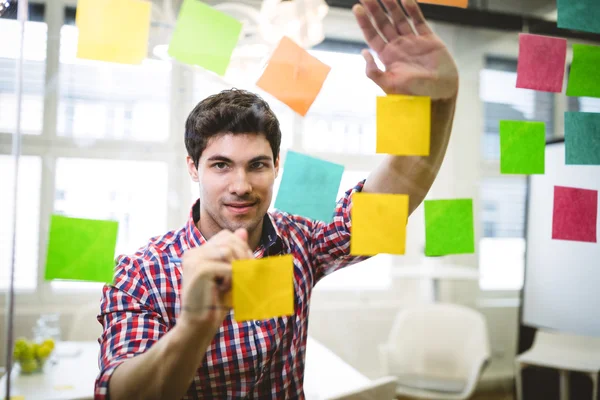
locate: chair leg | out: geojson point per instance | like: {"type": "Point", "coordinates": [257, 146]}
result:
{"type": "Point", "coordinates": [564, 384]}
{"type": "Point", "coordinates": [594, 377]}
{"type": "Point", "coordinates": [518, 380]}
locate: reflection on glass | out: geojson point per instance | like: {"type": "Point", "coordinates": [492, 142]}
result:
{"type": "Point", "coordinates": [131, 192]}
{"type": "Point", "coordinates": [28, 221]}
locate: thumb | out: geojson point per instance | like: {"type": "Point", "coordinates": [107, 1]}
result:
{"type": "Point", "coordinates": [372, 70]}
{"type": "Point", "coordinates": [242, 233]}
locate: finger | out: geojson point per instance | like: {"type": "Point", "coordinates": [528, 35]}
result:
{"type": "Point", "coordinates": [242, 234]}
{"type": "Point", "coordinates": [414, 12]}
{"type": "Point", "coordinates": [240, 246]}
{"type": "Point", "coordinates": [398, 17]}
{"type": "Point", "coordinates": [372, 37]}
{"type": "Point", "coordinates": [382, 21]}
{"type": "Point", "coordinates": [232, 246]}
{"type": "Point", "coordinates": [372, 70]}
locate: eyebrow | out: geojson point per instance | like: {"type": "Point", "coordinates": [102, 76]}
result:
{"type": "Point", "coordinates": [221, 158]}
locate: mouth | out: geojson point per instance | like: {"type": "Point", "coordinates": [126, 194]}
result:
{"type": "Point", "coordinates": [240, 208]}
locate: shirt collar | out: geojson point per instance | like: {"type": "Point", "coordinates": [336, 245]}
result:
{"type": "Point", "coordinates": [270, 238]}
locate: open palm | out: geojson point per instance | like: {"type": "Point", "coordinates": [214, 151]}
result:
{"type": "Point", "coordinates": [416, 61]}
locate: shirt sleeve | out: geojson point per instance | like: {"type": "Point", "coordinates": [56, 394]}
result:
{"type": "Point", "coordinates": [131, 324]}
{"type": "Point", "coordinates": [330, 242]}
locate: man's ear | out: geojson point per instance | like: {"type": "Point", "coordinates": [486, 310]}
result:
{"type": "Point", "coordinates": [192, 170]}
{"type": "Point", "coordinates": [277, 166]}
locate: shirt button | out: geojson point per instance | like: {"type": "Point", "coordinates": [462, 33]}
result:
{"type": "Point", "coordinates": [258, 323]}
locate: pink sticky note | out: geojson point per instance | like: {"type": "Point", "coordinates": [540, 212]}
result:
{"type": "Point", "coordinates": [575, 214]}
{"type": "Point", "coordinates": [541, 63]}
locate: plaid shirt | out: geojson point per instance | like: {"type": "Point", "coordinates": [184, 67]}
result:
{"type": "Point", "coordinates": [255, 359]}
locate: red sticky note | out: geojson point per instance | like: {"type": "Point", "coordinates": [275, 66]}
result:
{"type": "Point", "coordinates": [575, 214]}
{"type": "Point", "coordinates": [541, 63]}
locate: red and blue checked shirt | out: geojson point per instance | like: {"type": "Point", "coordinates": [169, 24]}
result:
{"type": "Point", "coordinates": [256, 359]}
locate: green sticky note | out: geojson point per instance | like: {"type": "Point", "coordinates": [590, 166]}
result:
{"type": "Point", "coordinates": [582, 138]}
{"type": "Point", "coordinates": [81, 249]}
{"type": "Point", "coordinates": [204, 36]}
{"type": "Point", "coordinates": [522, 147]}
{"type": "Point", "coordinates": [449, 227]}
{"type": "Point", "coordinates": [309, 186]}
{"type": "Point", "coordinates": [580, 15]}
{"type": "Point", "coordinates": [585, 70]}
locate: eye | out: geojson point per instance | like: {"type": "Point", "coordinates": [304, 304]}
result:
{"type": "Point", "coordinates": [220, 166]}
{"type": "Point", "coordinates": [258, 165]}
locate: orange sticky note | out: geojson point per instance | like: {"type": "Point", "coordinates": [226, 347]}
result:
{"type": "Point", "coordinates": [450, 3]}
{"type": "Point", "coordinates": [263, 288]}
{"type": "Point", "coordinates": [378, 224]}
{"type": "Point", "coordinates": [113, 30]}
{"type": "Point", "coordinates": [293, 76]}
{"type": "Point", "coordinates": [403, 125]}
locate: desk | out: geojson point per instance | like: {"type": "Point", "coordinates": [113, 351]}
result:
{"type": "Point", "coordinates": [436, 272]}
{"type": "Point", "coordinates": [72, 377]}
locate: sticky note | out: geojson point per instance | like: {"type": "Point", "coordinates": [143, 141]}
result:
{"type": "Point", "coordinates": [81, 249]}
{"type": "Point", "coordinates": [580, 15]}
{"type": "Point", "coordinates": [378, 224]}
{"type": "Point", "coordinates": [522, 147]}
{"type": "Point", "coordinates": [585, 69]}
{"type": "Point", "coordinates": [582, 138]}
{"type": "Point", "coordinates": [575, 214]}
{"type": "Point", "coordinates": [449, 227]}
{"type": "Point", "coordinates": [113, 30]}
{"type": "Point", "coordinates": [309, 186]}
{"type": "Point", "coordinates": [16, 397]}
{"type": "Point", "coordinates": [541, 63]}
{"type": "Point", "coordinates": [293, 76]}
{"type": "Point", "coordinates": [403, 125]}
{"type": "Point", "coordinates": [263, 288]}
{"type": "Point", "coordinates": [451, 3]}
{"type": "Point", "coordinates": [204, 36]}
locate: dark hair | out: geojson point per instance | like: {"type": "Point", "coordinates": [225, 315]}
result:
{"type": "Point", "coordinates": [230, 111]}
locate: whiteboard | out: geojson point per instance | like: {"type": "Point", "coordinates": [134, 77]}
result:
{"type": "Point", "coordinates": [562, 278]}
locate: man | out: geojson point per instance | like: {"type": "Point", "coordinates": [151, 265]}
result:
{"type": "Point", "coordinates": [168, 330]}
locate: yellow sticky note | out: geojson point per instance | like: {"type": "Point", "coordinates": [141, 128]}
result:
{"type": "Point", "coordinates": [113, 30]}
{"type": "Point", "coordinates": [403, 125]}
{"type": "Point", "coordinates": [17, 398]}
{"type": "Point", "coordinates": [263, 288]}
{"type": "Point", "coordinates": [378, 224]}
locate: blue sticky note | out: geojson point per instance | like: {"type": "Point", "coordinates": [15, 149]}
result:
{"type": "Point", "coordinates": [580, 15]}
{"type": "Point", "coordinates": [309, 186]}
{"type": "Point", "coordinates": [582, 138]}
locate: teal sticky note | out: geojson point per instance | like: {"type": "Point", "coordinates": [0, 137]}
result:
{"type": "Point", "coordinates": [204, 36]}
{"type": "Point", "coordinates": [309, 186]}
{"type": "Point", "coordinates": [449, 227]}
{"type": "Point", "coordinates": [522, 147]}
{"type": "Point", "coordinates": [585, 70]}
{"type": "Point", "coordinates": [580, 15]}
{"type": "Point", "coordinates": [582, 138]}
{"type": "Point", "coordinates": [81, 249]}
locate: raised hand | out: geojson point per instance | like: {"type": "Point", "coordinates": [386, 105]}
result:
{"type": "Point", "coordinates": [416, 61]}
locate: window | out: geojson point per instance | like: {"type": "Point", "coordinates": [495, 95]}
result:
{"type": "Point", "coordinates": [28, 218]}
{"type": "Point", "coordinates": [34, 53]}
{"type": "Point", "coordinates": [100, 100]}
{"type": "Point", "coordinates": [125, 191]}
{"type": "Point", "coordinates": [503, 197]}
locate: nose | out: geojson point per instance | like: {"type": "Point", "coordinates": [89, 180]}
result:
{"type": "Point", "coordinates": [240, 186]}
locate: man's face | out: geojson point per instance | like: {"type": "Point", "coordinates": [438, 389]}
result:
{"type": "Point", "coordinates": [236, 175]}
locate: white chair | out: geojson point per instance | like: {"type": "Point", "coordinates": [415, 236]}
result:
{"type": "Point", "coordinates": [380, 389]}
{"type": "Point", "coordinates": [85, 326]}
{"type": "Point", "coordinates": [564, 352]}
{"type": "Point", "coordinates": [437, 351]}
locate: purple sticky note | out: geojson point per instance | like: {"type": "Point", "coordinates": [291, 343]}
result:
{"type": "Point", "coordinates": [575, 214]}
{"type": "Point", "coordinates": [541, 63]}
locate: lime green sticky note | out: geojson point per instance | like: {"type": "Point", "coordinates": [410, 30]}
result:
{"type": "Point", "coordinates": [378, 224]}
{"type": "Point", "coordinates": [449, 227]}
{"type": "Point", "coordinates": [263, 288]}
{"type": "Point", "coordinates": [585, 69]}
{"type": "Point", "coordinates": [403, 125]}
{"type": "Point", "coordinates": [81, 249]}
{"type": "Point", "coordinates": [204, 36]}
{"type": "Point", "coordinates": [113, 30]}
{"type": "Point", "coordinates": [522, 147]}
